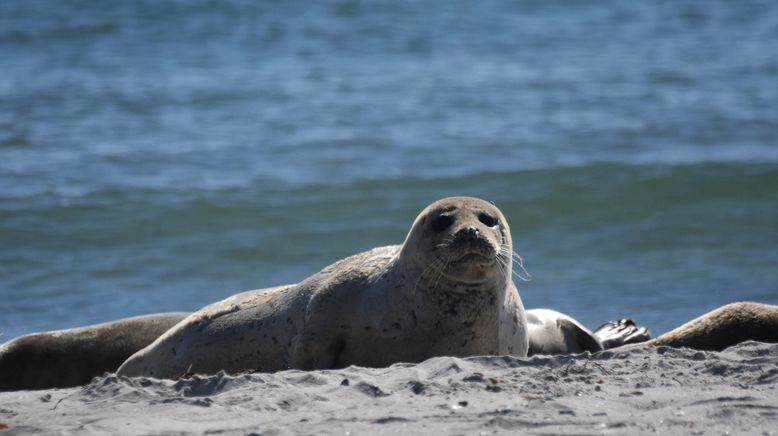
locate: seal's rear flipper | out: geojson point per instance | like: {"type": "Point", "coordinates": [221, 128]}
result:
{"type": "Point", "coordinates": [622, 332]}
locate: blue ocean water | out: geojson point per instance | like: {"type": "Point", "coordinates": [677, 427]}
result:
{"type": "Point", "coordinates": [161, 155]}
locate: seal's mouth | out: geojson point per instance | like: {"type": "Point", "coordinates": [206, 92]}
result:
{"type": "Point", "coordinates": [468, 259]}
{"type": "Point", "coordinates": [469, 263]}
{"type": "Point", "coordinates": [476, 257]}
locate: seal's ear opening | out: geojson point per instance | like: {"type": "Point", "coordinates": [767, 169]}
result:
{"type": "Point", "coordinates": [441, 223]}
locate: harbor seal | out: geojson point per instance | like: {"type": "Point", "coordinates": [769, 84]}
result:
{"type": "Point", "coordinates": [65, 358]}
{"type": "Point", "coordinates": [552, 332]}
{"type": "Point", "coordinates": [446, 291]}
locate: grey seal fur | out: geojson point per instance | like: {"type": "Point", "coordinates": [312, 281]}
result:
{"type": "Point", "coordinates": [724, 327]}
{"type": "Point", "coordinates": [447, 290]}
{"type": "Point", "coordinates": [65, 358]}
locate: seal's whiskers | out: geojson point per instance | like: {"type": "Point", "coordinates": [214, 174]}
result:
{"type": "Point", "coordinates": [440, 274]}
{"type": "Point", "coordinates": [519, 261]}
{"type": "Point", "coordinates": [430, 269]}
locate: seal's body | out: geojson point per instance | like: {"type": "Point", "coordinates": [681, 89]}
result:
{"type": "Point", "coordinates": [446, 291]}
{"type": "Point", "coordinates": [66, 358]}
{"type": "Point", "coordinates": [724, 327]}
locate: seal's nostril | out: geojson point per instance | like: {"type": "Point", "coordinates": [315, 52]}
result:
{"type": "Point", "coordinates": [469, 232]}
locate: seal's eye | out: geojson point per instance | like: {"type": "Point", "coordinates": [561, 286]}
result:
{"type": "Point", "coordinates": [441, 222]}
{"type": "Point", "coordinates": [487, 219]}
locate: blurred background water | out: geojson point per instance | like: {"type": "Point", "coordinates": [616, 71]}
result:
{"type": "Point", "coordinates": [160, 155]}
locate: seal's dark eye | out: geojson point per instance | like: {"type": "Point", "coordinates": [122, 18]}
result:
{"type": "Point", "coordinates": [441, 222]}
{"type": "Point", "coordinates": [487, 219]}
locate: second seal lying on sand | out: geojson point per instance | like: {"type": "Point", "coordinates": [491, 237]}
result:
{"type": "Point", "coordinates": [447, 291]}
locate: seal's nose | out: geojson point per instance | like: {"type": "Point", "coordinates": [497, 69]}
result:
{"type": "Point", "coordinates": [468, 233]}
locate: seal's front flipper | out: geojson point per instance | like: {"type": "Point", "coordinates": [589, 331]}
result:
{"type": "Point", "coordinates": [622, 332]}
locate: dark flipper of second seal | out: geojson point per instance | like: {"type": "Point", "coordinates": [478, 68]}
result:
{"type": "Point", "coordinates": [622, 332]}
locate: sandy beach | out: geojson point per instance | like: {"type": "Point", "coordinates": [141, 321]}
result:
{"type": "Point", "coordinates": [640, 391]}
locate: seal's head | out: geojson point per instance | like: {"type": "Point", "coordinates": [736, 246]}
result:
{"type": "Point", "coordinates": [463, 240]}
